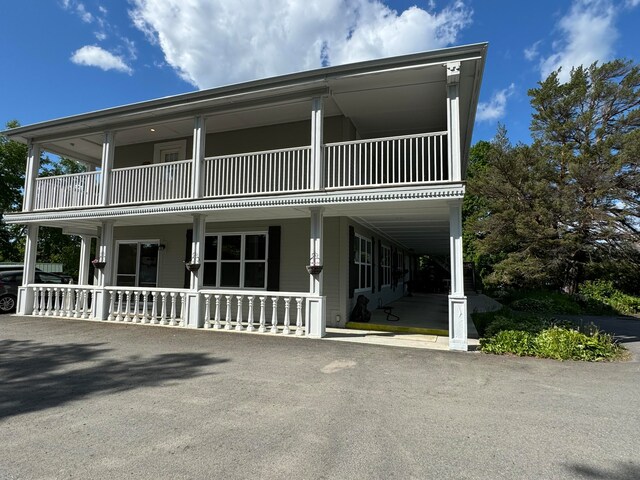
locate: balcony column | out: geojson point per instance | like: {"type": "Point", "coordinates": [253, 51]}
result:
{"type": "Point", "coordinates": [457, 299]}
{"type": "Point", "coordinates": [85, 254]}
{"type": "Point", "coordinates": [33, 166]}
{"type": "Point", "coordinates": [199, 135]}
{"type": "Point", "coordinates": [104, 254]}
{"type": "Point", "coordinates": [315, 311]}
{"type": "Point", "coordinates": [453, 121]}
{"type": "Point", "coordinates": [108, 149]}
{"type": "Point", "coordinates": [195, 303]}
{"type": "Point", "coordinates": [25, 294]}
{"type": "Point", "coordinates": [317, 160]}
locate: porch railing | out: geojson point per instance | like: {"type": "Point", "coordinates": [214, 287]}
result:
{"type": "Point", "coordinates": [157, 306]}
{"type": "Point", "coordinates": [151, 183]}
{"type": "Point", "coordinates": [65, 191]}
{"type": "Point", "coordinates": [255, 311]}
{"type": "Point", "coordinates": [273, 171]}
{"type": "Point", "coordinates": [387, 161]}
{"type": "Point", "coordinates": [62, 300]}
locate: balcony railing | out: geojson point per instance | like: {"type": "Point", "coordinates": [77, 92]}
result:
{"type": "Point", "coordinates": [65, 191]}
{"type": "Point", "coordinates": [382, 162]}
{"type": "Point", "coordinates": [386, 161]}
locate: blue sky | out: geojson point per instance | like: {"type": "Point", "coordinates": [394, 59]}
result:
{"type": "Point", "coordinates": [64, 57]}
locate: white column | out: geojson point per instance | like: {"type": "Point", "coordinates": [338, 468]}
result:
{"type": "Point", "coordinates": [317, 160]}
{"type": "Point", "coordinates": [457, 299]}
{"type": "Point", "coordinates": [199, 134]}
{"type": "Point", "coordinates": [315, 307]}
{"type": "Point", "coordinates": [85, 254]}
{"type": "Point", "coordinates": [195, 302]}
{"type": "Point", "coordinates": [108, 149]}
{"type": "Point", "coordinates": [453, 121]}
{"type": "Point", "coordinates": [25, 294]}
{"type": "Point", "coordinates": [104, 254]}
{"type": "Point", "coordinates": [33, 165]}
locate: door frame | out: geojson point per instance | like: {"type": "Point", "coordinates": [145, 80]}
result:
{"type": "Point", "coordinates": [137, 242]}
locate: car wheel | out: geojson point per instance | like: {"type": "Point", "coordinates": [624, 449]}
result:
{"type": "Point", "coordinates": [7, 304]}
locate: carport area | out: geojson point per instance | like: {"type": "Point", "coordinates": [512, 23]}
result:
{"type": "Point", "coordinates": [419, 321]}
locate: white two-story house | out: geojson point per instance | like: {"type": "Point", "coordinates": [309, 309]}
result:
{"type": "Point", "coordinates": [267, 206]}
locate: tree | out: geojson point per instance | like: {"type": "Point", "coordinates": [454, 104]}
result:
{"type": "Point", "coordinates": [53, 245]}
{"type": "Point", "coordinates": [554, 212]}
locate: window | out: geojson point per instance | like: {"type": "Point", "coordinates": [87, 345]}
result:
{"type": "Point", "coordinates": [363, 254]}
{"type": "Point", "coordinates": [137, 264]}
{"type": "Point", "coordinates": [169, 151]}
{"type": "Point", "coordinates": [236, 260]}
{"type": "Point", "coordinates": [385, 264]}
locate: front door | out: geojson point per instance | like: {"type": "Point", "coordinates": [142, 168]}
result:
{"type": "Point", "coordinates": [137, 264]}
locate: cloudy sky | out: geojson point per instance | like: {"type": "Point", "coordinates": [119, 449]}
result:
{"type": "Point", "coordinates": [63, 57]}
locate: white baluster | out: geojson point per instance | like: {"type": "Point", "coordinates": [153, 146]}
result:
{"type": "Point", "coordinates": [262, 328]}
{"type": "Point", "coordinates": [227, 317]}
{"type": "Point", "coordinates": [43, 301]}
{"type": "Point", "coordinates": [85, 304]}
{"type": "Point", "coordinates": [154, 308]}
{"type": "Point", "coordinates": [63, 302]}
{"type": "Point", "coordinates": [239, 327]}
{"type": "Point", "coordinates": [216, 316]}
{"type": "Point", "coordinates": [173, 309]}
{"type": "Point", "coordinates": [78, 312]}
{"type": "Point", "coordinates": [56, 302]}
{"type": "Point", "coordinates": [49, 310]}
{"type": "Point", "coordinates": [145, 316]}
{"type": "Point", "coordinates": [299, 329]}
{"type": "Point", "coordinates": [286, 330]}
{"type": "Point", "coordinates": [250, 327]}
{"type": "Point", "coordinates": [207, 310]}
{"type": "Point", "coordinates": [136, 302]}
{"type": "Point", "coordinates": [119, 317]}
{"type": "Point", "coordinates": [36, 297]}
{"type": "Point", "coordinates": [163, 314]}
{"type": "Point", "coordinates": [183, 305]}
{"type": "Point", "coordinates": [274, 315]}
{"type": "Point", "coordinates": [127, 310]}
{"type": "Point", "coordinates": [112, 303]}
{"type": "Point", "coordinates": [66, 305]}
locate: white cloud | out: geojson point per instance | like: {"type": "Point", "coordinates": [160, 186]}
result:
{"type": "Point", "coordinates": [532, 52]}
{"type": "Point", "coordinates": [588, 34]}
{"type": "Point", "coordinates": [496, 107]}
{"type": "Point", "coordinates": [100, 35]}
{"type": "Point", "coordinates": [632, 3]}
{"type": "Point", "coordinates": [215, 42]}
{"type": "Point", "coordinates": [94, 56]}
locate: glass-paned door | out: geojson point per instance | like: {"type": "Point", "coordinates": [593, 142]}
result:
{"type": "Point", "coordinates": [137, 264]}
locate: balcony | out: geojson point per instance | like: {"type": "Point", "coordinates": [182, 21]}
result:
{"type": "Point", "coordinates": [376, 163]}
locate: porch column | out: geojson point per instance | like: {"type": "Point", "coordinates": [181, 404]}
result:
{"type": "Point", "coordinates": [104, 276]}
{"type": "Point", "coordinates": [317, 160]}
{"type": "Point", "coordinates": [453, 121]}
{"type": "Point", "coordinates": [315, 311]}
{"type": "Point", "coordinates": [457, 299]}
{"type": "Point", "coordinates": [85, 254]}
{"type": "Point", "coordinates": [33, 165]}
{"type": "Point", "coordinates": [195, 305]}
{"type": "Point", "coordinates": [199, 134]}
{"type": "Point", "coordinates": [25, 294]}
{"type": "Point", "coordinates": [108, 149]}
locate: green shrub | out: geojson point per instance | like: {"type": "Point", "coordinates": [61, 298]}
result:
{"type": "Point", "coordinates": [509, 341]}
{"type": "Point", "coordinates": [568, 344]}
{"type": "Point", "coordinates": [532, 305]}
{"type": "Point", "coordinates": [602, 293]}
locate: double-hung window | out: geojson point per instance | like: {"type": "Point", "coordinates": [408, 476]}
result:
{"type": "Point", "coordinates": [363, 254]}
{"type": "Point", "coordinates": [237, 260]}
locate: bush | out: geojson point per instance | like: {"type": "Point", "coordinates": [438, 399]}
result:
{"type": "Point", "coordinates": [532, 305]}
{"type": "Point", "coordinates": [545, 337]}
{"type": "Point", "coordinates": [601, 293]}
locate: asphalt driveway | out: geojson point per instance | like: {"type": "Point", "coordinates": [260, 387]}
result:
{"type": "Point", "coordinates": [87, 400]}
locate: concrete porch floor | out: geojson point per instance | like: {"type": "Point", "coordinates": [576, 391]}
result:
{"type": "Point", "coordinates": [427, 312]}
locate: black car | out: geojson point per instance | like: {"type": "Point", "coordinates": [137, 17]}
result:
{"type": "Point", "coordinates": [11, 280]}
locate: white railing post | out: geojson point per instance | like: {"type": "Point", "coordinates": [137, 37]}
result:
{"type": "Point", "coordinates": [457, 298]}
{"type": "Point", "coordinates": [239, 327]}
{"type": "Point", "coordinates": [250, 327]}
{"type": "Point", "coordinates": [216, 316]}
{"type": "Point", "coordinates": [227, 316]}
{"type": "Point", "coordinates": [453, 121]}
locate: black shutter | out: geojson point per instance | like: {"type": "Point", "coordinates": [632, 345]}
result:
{"type": "Point", "coordinates": [394, 268]}
{"type": "Point", "coordinates": [187, 257]}
{"type": "Point", "coordinates": [373, 264]}
{"type": "Point", "coordinates": [379, 265]}
{"type": "Point", "coordinates": [353, 268]}
{"type": "Point", "coordinates": [273, 271]}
